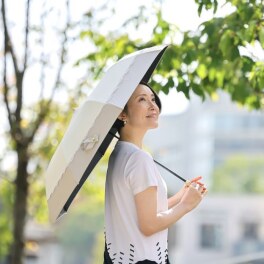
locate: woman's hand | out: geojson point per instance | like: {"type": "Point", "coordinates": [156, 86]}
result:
{"type": "Point", "coordinates": [151, 221]}
{"type": "Point", "coordinates": [175, 199]}
{"type": "Point", "coordinates": [192, 196]}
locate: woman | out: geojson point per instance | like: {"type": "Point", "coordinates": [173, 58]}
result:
{"type": "Point", "coordinates": [137, 210]}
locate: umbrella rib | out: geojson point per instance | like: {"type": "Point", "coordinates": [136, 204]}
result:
{"type": "Point", "coordinates": [161, 165]}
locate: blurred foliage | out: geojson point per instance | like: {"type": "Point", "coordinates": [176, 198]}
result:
{"type": "Point", "coordinates": [239, 174]}
{"type": "Point", "coordinates": [44, 145]}
{"type": "Point", "coordinates": [82, 230]}
{"type": "Point", "coordinates": [78, 233]}
{"type": "Point", "coordinates": [98, 249]}
{"type": "Point", "coordinates": [212, 58]}
{"type": "Point", "coordinates": [218, 55]}
{"type": "Point", "coordinates": [24, 53]}
{"type": "Point", "coordinates": [6, 203]}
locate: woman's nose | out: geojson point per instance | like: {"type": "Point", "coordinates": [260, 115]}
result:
{"type": "Point", "coordinates": [152, 104]}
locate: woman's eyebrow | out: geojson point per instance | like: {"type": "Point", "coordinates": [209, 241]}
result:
{"type": "Point", "coordinates": [152, 95]}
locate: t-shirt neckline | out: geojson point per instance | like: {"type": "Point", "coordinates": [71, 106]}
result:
{"type": "Point", "coordinates": [128, 143]}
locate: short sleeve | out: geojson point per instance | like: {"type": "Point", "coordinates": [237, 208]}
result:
{"type": "Point", "coordinates": [140, 172]}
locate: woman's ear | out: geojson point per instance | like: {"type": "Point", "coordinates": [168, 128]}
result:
{"type": "Point", "coordinates": [122, 116]}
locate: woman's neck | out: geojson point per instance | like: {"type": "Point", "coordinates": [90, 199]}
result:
{"type": "Point", "coordinates": [132, 137]}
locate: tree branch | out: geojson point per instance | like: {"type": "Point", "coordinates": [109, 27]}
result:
{"type": "Point", "coordinates": [45, 109]}
{"type": "Point", "coordinates": [19, 76]}
{"type": "Point", "coordinates": [8, 40]}
{"type": "Point", "coordinates": [42, 55]}
{"type": "Point", "coordinates": [26, 36]}
{"type": "Point", "coordinates": [6, 87]}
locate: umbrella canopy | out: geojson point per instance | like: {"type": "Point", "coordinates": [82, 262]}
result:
{"type": "Point", "coordinates": [93, 126]}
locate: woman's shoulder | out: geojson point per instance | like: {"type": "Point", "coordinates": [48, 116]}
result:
{"type": "Point", "coordinates": [140, 156]}
{"type": "Point", "coordinates": [133, 152]}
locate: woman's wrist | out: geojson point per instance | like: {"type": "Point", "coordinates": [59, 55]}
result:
{"type": "Point", "coordinates": [174, 200]}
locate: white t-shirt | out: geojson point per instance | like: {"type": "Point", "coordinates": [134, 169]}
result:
{"type": "Point", "coordinates": [130, 171]}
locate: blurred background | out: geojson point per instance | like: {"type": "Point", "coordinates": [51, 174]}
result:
{"type": "Point", "coordinates": [211, 82]}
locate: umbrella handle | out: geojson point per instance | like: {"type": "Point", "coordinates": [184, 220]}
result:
{"type": "Point", "coordinates": [161, 165]}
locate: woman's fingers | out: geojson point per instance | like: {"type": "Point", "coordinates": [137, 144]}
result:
{"type": "Point", "coordinates": [200, 183]}
{"type": "Point", "coordinates": [195, 183]}
{"type": "Point", "coordinates": [196, 179]}
{"type": "Point", "coordinates": [187, 183]}
{"type": "Point", "coordinates": [204, 191]}
{"type": "Point", "coordinates": [199, 187]}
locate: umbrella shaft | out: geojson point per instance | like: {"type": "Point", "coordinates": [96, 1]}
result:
{"type": "Point", "coordinates": [172, 172]}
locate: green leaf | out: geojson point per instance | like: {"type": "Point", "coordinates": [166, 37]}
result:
{"type": "Point", "coordinates": [197, 90]}
{"type": "Point", "coordinates": [228, 45]}
{"type": "Point", "coordinates": [169, 84]}
{"type": "Point", "coordinates": [215, 6]}
{"type": "Point", "coordinates": [202, 71]}
{"type": "Point", "coordinates": [261, 36]}
{"type": "Point", "coordinates": [247, 64]}
{"type": "Point", "coordinates": [225, 43]}
{"type": "Point", "coordinates": [241, 91]}
{"type": "Point", "coordinates": [200, 8]}
{"type": "Point", "coordinates": [212, 74]}
{"type": "Point", "coordinates": [190, 56]}
{"type": "Point", "coordinates": [220, 76]}
{"type": "Point", "coordinates": [182, 87]}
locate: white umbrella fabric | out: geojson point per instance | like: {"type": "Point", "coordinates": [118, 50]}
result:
{"type": "Point", "coordinates": [93, 126]}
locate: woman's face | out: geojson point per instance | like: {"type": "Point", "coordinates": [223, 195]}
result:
{"type": "Point", "coordinates": [142, 110]}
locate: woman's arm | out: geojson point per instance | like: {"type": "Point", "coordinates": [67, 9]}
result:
{"type": "Point", "coordinates": [175, 199]}
{"type": "Point", "coordinates": [151, 222]}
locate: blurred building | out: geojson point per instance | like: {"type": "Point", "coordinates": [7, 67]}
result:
{"type": "Point", "coordinates": [42, 246]}
{"type": "Point", "coordinates": [223, 229]}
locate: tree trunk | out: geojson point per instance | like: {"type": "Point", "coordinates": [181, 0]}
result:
{"type": "Point", "coordinates": [20, 207]}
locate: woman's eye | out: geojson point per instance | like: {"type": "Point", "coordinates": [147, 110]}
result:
{"type": "Point", "coordinates": [141, 99]}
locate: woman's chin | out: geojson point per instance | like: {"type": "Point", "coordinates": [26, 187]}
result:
{"type": "Point", "coordinates": [153, 126]}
